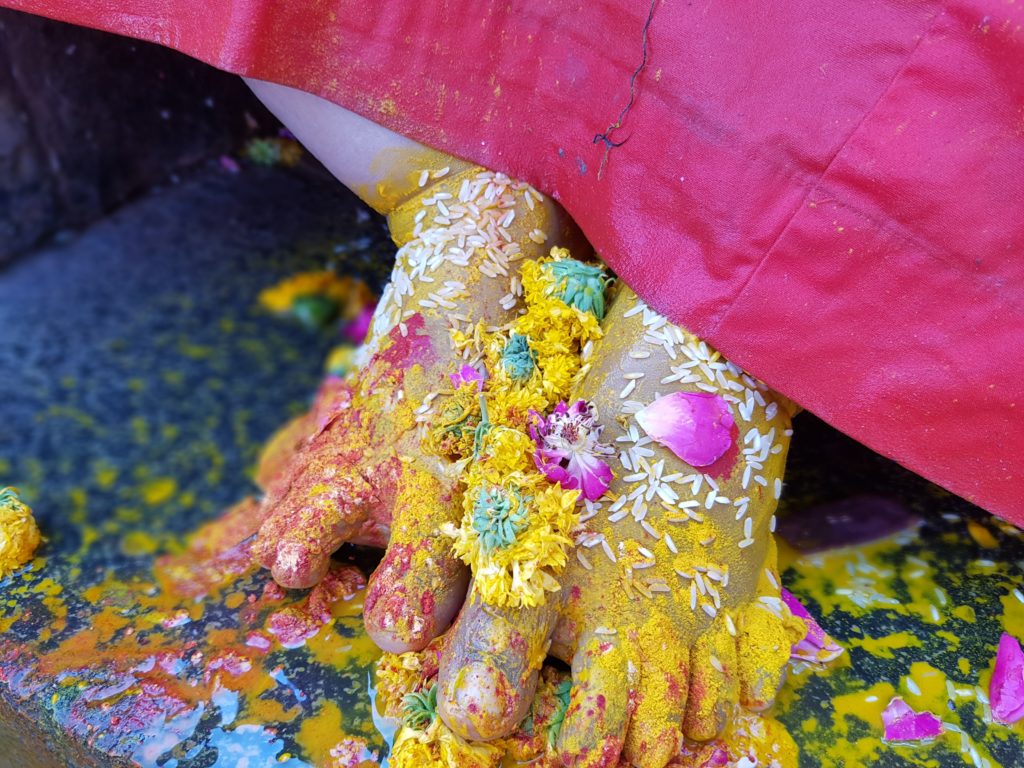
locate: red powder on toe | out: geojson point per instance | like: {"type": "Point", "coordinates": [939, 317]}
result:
{"type": "Point", "coordinates": [427, 603]}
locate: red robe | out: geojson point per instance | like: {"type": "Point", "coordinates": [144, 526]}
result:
{"type": "Point", "coordinates": [830, 192]}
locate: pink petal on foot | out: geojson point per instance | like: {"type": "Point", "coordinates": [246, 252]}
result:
{"type": "Point", "coordinates": [904, 724]}
{"type": "Point", "coordinates": [695, 426]}
{"type": "Point", "coordinates": [816, 645]}
{"type": "Point", "coordinates": [1006, 690]}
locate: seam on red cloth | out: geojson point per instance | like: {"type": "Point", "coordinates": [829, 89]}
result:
{"type": "Point", "coordinates": [754, 268]}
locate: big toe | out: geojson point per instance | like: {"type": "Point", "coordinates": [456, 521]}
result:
{"type": "Point", "coordinates": [489, 671]}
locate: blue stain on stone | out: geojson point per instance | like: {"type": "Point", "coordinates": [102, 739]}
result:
{"type": "Point", "coordinates": [279, 675]}
{"type": "Point", "coordinates": [517, 357]}
{"type": "Point", "coordinates": [227, 702]}
{"type": "Point", "coordinates": [159, 738]}
{"type": "Point", "coordinates": [250, 746]}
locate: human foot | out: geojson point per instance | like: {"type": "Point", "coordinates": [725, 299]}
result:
{"type": "Point", "coordinates": [669, 609]}
{"type": "Point", "coordinates": [362, 475]}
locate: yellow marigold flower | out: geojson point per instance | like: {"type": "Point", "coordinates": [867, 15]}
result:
{"type": "Point", "coordinates": [19, 534]}
{"type": "Point", "coordinates": [438, 746]}
{"type": "Point", "coordinates": [507, 451]}
{"type": "Point", "coordinates": [412, 750]}
{"type": "Point", "coordinates": [348, 294]}
{"type": "Point", "coordinates": [515, 534]}
{"type": "Point", "coordinates": [547, 312]}
{"type": "Point", "coordinates": [397, 676]}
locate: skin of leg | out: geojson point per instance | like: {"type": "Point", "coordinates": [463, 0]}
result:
{"type": "Point", "coordinates": [669, 578]}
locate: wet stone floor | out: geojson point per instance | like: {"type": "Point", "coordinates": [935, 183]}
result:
{"type": "Point", "coordinates": [138, 380]}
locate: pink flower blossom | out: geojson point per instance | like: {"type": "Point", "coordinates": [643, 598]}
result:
{"type": "Point", "coordinates": [695, 426]}
{"type": "Point", "coordinates": [568, 448]}
{"type": "Point", "coordinates": [904, 724]}
{"type": "Point", "coordinates": [356, 329]}
{"type": "Point", "coordinates": [815, 646]}
{"type": "Point", "coordinates": [466, 375]}
{"type": "Point", "coordinates": [1006, 690]}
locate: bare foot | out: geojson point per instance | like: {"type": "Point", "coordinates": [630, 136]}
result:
{"type": "Point", "coordinates": [361, 475]}
{"type": "Point", "coordinates": [669, 608]}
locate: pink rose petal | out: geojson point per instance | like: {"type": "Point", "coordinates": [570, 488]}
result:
{"type": "Point", "coordinates": [816, 645]}
{"type": "Point", "coordinates": [904, 724]}
{"type": "Point", "coordinates": [695, 426]}
{"type": "Point", "coordinates": [1006, 690]}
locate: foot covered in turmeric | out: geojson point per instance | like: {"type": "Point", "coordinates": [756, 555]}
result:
{"type": "Point", "coordinates": [354, 470]}
{"type": "Point", "coordinates": [635, 541]}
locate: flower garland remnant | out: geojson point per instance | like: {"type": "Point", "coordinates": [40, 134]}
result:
{"type": "Point", "coordinates": [522, 470]}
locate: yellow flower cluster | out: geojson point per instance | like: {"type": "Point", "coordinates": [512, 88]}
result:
{"type": "Point", "coordinates": [349, 294]}
{"type": "Point", "coordinates": [438, 746]}
{"type": "Point", "coordinates": [19, 534]}
{"type": "Point", "coordinates": [556, 333]}
{"type": "Point", "coordinates": [521, 572]}
{"type": "Point", "coordinates": [516, 527]}
{"type": "Point", "coordinates": [397, 674]}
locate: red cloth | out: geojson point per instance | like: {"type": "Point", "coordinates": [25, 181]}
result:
{"type": "Point", "coordinates": [830, 192]}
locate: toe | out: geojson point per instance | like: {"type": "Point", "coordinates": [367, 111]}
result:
{"type": "Point", "coordinates": [593, 727]}
{"type": "Point", "coordinates": [763, 644]}
{"type": "Point", "coordinates": [414, 594]}
{"type": "Point", "coordinates": [490, 666]}
{"type": "Point", "coordinates": [319, 503]}
{"type": "Point", "coordinates": [296, 565]}
{"type": "Point", "coordinates": [656, 731]}
{"type": "Point", "coordinates": [302, 531]}
{"type": "Point", "coordinates": [282, 447]}
{"type": "Point", "coordinates": [419, 586]}
{"type": "Point", "coordinates": [713, 688]}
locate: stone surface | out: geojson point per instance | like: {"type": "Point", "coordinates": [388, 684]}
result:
{"type": "Point", "coordinates": [88, 120]}
{"type": "Point", "coordinates": [140, 379]}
